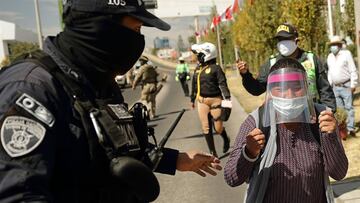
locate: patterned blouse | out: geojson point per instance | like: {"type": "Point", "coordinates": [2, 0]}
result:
{"type": "Point", "coordinates": [297, 174]}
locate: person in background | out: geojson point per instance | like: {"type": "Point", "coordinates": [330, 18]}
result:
{"type": "Point", "coordinates": [343, 76]}
{"type": "Point", "coordinates": [287, 45]}
{"type": "Point", "coordinates": [183, 75]}
{"type": "Point", "coordinates": [209, 88]}
{"type": "Point", "coordinates": [288, 147]}
{"type": "Point", "coordinates": [148, 76]}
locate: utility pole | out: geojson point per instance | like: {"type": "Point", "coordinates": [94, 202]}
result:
{"type": "Point", "coordinates": [236, 51]}
{"type": "Point", "coordinates": [331, 30]}
{"type": "Point", "coordinates": [196, 23]}
{"type": "Point", "coordinates": [60, 4]}
{"type": "Point", "coordinates": [219, 45]}
{"type": "Point", "coordinates": [357, 30]}
{"type": "Point", "coordinates": [217, 27]}
{"type": "Point", "coordinates": [38, 24]}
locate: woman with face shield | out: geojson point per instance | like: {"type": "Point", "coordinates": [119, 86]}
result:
{"type": "Point", "coordinates": [288, 147]}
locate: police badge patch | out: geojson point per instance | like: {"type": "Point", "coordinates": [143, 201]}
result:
{"type": "Point", "coordinates": [36, 109]}
{"type": "Point", "coordinates": [20, 135]}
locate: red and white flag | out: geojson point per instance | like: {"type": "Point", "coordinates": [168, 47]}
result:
{"type": "Point", "coordinates": [235, 6]}
{"type": "Point", "coordinates": [215, 21]}
{"type": "Point", "coordinates": [226, 15]}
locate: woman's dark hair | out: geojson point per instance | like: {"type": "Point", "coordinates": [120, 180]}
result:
{"type": "Point", "coordinates": [286, 63]}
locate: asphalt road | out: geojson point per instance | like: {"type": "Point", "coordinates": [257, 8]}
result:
{"type": "Point", "coordinates": [188, 187]}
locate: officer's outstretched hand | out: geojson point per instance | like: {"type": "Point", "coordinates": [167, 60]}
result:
{"type": "Point", "coordinates": [327, 121]}
{"type": "Point", "coordinates": [198, 162]}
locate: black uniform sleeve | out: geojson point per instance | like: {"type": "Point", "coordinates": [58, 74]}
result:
{"type": "Point", "coordinates": [256, 86]}
{"type": "Point", "coordinates": [167, 164]}
{"type": "Point", "coordinates": [325, 91]}
{"type": "Point", "coordinates": [222, 83]}
{"type": "Point", "coordinates": [193, 87]}
{"type": "Point", "coordinates": [27, 150]}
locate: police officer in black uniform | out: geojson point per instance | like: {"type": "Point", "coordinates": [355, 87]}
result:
{"type": "Point", "coordinates": [287, 40]}
{"type": "Point", "coordinates": [58, 109]}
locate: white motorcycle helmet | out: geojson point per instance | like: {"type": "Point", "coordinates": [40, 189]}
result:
{"type": "Point", "coordinates": [207, 52]}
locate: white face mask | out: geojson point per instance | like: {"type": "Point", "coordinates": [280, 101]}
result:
{"type": "Point", "coordinates": [289, 108]}
{"type": "Point", "coordinates": [334, 49]}
{"type": "Point", "coordinates": [286, 47]}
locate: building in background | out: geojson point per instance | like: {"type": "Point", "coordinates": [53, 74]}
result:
{"type": "Point", "coordinates": [168, 53]}
{"type": "Point", "coordinates": [9, 32]}
{"type": "Point", "coordinates": [161, 43]}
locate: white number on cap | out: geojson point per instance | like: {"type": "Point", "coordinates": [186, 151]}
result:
{"type": "Point", "coordinates": [117, 2]}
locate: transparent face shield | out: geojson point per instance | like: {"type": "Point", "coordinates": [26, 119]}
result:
{"type": "Point", "coordinates": [287, 99]}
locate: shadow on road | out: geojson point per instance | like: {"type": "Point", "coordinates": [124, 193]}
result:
{"type": "Point", "coordinates": [157, 118]}
{"type": "Point", "coordinates": [152, 126]}
{"type": "Point", "coordinates": [173, 112]}
{"type": "Point", "coordinates": [345, 186]}
{"type": "Point", "coordinates": [190, 137]}
{"type": "Point", "coordinates": [224, 155]}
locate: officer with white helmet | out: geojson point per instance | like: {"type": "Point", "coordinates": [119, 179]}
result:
{"type": "Point", "coordinates": [209, 89]}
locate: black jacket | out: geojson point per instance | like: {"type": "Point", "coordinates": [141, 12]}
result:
{"type": "Point", "coordinates": [258, 86]}
{"type": "Point", "coordinates": [212, 82]}
{"type": "Point", "coordinates": [44, 153]}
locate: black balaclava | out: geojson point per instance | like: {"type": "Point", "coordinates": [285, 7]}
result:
{"type": "Point", "coordinates": [100, 47]}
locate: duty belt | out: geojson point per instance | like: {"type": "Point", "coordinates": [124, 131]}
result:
{"type": "Point", "coordinates": [342, 84]}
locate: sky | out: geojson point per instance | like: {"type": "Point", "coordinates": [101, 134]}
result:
{"type": "Point", "coordinates": [22, 13]}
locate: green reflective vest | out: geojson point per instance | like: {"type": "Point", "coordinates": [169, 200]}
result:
{"type": "Point", "coordinates": [182, 68]}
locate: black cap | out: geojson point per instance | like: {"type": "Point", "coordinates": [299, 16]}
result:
{"type": "Point", "coordinates": [286, 31]}
{"type": "Point", "coordinates": [135, 8]}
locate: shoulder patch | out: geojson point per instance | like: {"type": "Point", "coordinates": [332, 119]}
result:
{"type": "Point", "coordinates": [20, 135]}
{"type": "Point", "coordinates": [36, 109]}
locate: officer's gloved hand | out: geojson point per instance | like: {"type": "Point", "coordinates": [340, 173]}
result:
{"type": "Point", "coordinates": [187, 77]}
{"type": "Point", "coordinates": [177, 78]}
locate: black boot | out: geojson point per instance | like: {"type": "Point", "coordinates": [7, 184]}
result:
{"type": "Point", "coordinates": [226, 141]}
{"type": "Point", "coordinates": [210, 142]}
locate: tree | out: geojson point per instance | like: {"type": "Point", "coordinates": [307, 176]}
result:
{"type": "Point", "coordinates": [309, 18]}
{"type": "Point", "coordinates": [5, 62]}
{"type": "Point", "coordinates": [18, 48]}
{"type": "Point", "coordinates": [348, 25]}
{"type": "Point", "coordinates": [192, 39]}
{"type": "Point", "coordinates": [254, 29]}
{"type": "Point", "coordinates": [256, 24]}
{"type": "Point", "coordinates": [180, 44]}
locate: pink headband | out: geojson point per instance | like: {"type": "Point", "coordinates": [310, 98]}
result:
{"type": "Point", "coordinates": [285, 77]}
